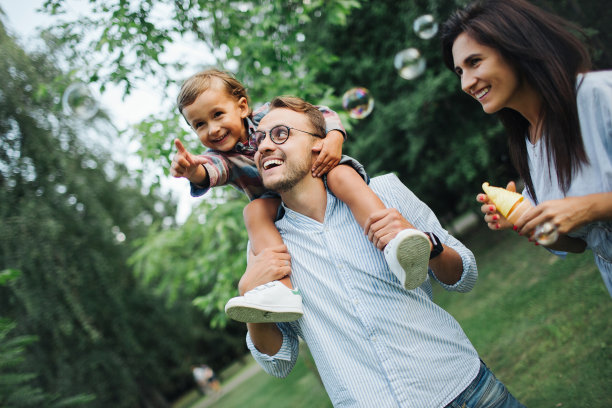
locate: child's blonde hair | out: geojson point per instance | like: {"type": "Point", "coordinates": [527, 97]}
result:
{"type": "Point", "coordinates": [202, 81]}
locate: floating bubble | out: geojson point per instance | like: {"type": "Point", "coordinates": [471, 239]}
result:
{"type": "Point", "coordinates": [425, 27]}
{"type": "Point", "coordinates": [78, 100]}
{"type": "Point", "coordinates": [358, 102]}
{"type": "Point", "coordinates": [409, 63]}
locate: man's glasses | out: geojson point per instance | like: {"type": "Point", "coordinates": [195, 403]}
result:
{"type": "Point", "coordinates": [278, 134]}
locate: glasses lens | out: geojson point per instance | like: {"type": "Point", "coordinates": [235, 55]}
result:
{"type": "Point", "coordinates": [279, 134]}
{"type": "Point", "coordinates": [257, 138]}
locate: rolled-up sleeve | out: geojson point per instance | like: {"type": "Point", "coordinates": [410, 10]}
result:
{"type": "Point", "coordinates": [218, 169]}
{"type": "Point", "coordinates": [281, 364]}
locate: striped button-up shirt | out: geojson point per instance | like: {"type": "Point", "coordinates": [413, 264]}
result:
{"type": "Point", "coordinates": [374, 343]}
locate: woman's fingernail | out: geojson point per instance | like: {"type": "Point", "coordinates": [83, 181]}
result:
{"type": "Point", "coordinates": [491, 208]}
{"type": "Point", "coordinates": [515, 228]}
{"type": "Point", "coordinates": [537, 244]}
{"type": "Point", "coordinates": [495, 217]}
{"type": "Point", "coordinates": [497, 226]}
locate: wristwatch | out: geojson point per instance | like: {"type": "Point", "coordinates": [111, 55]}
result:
{"type": "Point", "coordinates": [437, 245]}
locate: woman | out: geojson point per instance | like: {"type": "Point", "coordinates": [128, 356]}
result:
{"type": "Point", "coordinates": [525, 64]}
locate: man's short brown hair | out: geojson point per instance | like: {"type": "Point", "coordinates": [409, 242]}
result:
{"type": "Point", "coordinates": [299, 105]}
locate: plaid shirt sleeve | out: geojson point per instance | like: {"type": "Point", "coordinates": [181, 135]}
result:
{"type": "Point", "coordinates": [218, 169]}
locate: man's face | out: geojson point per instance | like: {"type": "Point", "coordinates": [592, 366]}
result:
{"type": "Point", "coordinates": [284, 166]}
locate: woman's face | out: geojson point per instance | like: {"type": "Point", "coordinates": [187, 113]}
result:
{"type": "Point", "coordinates": [486, 76]}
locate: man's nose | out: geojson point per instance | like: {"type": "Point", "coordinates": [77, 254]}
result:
{"type": "Point", "coordinates": [265, 144]}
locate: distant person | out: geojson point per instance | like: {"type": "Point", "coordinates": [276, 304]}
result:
{"type": "Point", "coordinates": [375, 344]}
{"type": "Point", "coordinates": [216, 107]}
{"type": "Point", "coordinates": [527, 66]}
{"type": "Point", "coordinates": [206, 379]}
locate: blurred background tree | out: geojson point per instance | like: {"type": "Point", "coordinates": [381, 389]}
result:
{"type": "Point", "coordinates": [125, 331]}
{"type": "Point", "coordinates": [68, 217]}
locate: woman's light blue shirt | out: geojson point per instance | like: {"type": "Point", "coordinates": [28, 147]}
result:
{"type": "Point", "coordinates": [595, 114]}
{"type": "Point", "coordinates": [374, 343]}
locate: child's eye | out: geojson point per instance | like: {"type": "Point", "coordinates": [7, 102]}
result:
{"type": "Point", "coordinates": [198, 125]}
{"type": "Point", "coordinates": [218, 113]}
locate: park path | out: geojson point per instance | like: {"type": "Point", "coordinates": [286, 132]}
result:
{"type": "Point", "coordinates": [227, 387]}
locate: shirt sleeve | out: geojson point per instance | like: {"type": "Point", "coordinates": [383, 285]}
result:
{"type": "Point", "coordinates": [218, 169]}
{"type": "Point", "coordinates": [332, 121]}
{"type": "Point", "coordinates": [397, 195]}
{"type": "Point", "coordinates": [281, 364]}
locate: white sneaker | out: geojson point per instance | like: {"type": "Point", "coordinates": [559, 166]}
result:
{"type": "Point", "coordinates": [408, 257]}
{"type": "Point", "coordinates": [271, 302]}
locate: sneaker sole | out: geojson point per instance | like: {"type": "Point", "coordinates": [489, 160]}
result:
{"type": "Point", "coordinates": [413, 255]}
{"type": "Point", "coordinates": [246, 314]}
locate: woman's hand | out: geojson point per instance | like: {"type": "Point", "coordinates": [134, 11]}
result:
{"type": "Point", "coordinates": [492, 217]}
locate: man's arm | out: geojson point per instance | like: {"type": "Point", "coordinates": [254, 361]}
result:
{"type": "Point", "coordinates": [448, 266]}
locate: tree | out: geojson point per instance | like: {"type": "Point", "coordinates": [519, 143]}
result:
{"type": "Point", "coordinates": [69, 214]}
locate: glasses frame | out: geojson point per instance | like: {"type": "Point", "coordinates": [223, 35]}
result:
{"type": "Point", "coordinates": [260, 135]}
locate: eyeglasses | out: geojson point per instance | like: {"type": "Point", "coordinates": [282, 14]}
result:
{"type": "Point", "coordinates": [278, 134]}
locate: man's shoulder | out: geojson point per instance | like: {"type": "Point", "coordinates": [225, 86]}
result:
{"type": "Point", "coordinates": [384, 180]}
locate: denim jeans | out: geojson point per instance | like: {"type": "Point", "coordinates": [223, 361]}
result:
{"type": "Point", "coordinates": [485, 391]}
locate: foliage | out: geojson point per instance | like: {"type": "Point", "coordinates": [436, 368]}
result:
{"type": "Point", "coordinates": [68, 217]}
{"type": "Point", "coordinates": [214, 231]}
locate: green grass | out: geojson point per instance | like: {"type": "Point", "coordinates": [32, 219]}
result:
{"type": "Point", "coordinates": [542, 324]}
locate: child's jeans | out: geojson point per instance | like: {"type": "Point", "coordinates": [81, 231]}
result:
{"type": "Point", "coordinates": [485, 391]}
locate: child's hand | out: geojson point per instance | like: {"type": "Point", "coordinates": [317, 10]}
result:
{"type": "Point", "coordinates": [187, 165]}
{"type": "Point", "coordinates": [330, 152]}
{"type": "Point", "coordinates": [492, 217]}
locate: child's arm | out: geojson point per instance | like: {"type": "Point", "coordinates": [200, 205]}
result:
{"type": "Point", "coordinates": [187, 165]}
{"type": "Point", "coordinates": [330, 152]}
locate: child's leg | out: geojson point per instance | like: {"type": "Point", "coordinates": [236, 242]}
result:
{"type": "Point", "coordinates": [259, 216]}
{"type": "Point", "coordinates": [407, 254]}
{"type": "Point", "coordinates": [350, 188]}
{"type": "Point", "coordinates": [274, 301]}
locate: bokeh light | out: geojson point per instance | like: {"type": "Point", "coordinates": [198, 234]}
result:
{"type": "Point", "coordinates": [358, 102]}
{"type": "Point", "coordinates": [425, 27]}
{"type": "Point", "coordinates": [78, 100]}
{"type": "Point", "coordinates": [409, 63]}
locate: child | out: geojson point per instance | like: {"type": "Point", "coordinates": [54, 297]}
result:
{"type": "Point", "coordinates": [215, 105]}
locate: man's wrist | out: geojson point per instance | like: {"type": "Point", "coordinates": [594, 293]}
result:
{"type": "Point", "coordinates": [437, 246]}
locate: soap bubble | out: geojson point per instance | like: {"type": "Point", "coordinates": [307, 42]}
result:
{"type": "Point", "coordinates": [78, 100]}
{"type": "Point", "coordinates": [425, 27]}
{"type": "Point", "coordinates": [409, 63]}
{"type": "Point", "coordinates": [358, 102]}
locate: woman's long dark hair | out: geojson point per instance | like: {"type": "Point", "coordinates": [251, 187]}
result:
{"type": "Point", "coordinates": [545, 52]}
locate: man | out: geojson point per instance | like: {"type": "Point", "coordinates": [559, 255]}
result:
{"type": "Point", "coordinates": [375, 343]}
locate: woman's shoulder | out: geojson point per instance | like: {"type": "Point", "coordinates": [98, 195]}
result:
{"type": "Point", "coordinates": [592, 81]}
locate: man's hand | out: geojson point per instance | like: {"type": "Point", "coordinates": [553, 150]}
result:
{"type": "Point", "coordinates": [330, 153]}
{"type": "Point", "coordinates": [187, 165]}
{"type": "Point", "coordinates": [383, 226]}
{"type": "Point", "coordinates": [271, 264]}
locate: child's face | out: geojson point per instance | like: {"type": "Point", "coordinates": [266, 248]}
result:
{"type": "Point", "coordinates": [487, 76]}
{"type": "Point", "coordinates": [218, 118]}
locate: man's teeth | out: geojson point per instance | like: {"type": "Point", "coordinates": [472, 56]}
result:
{"type": "Point", "coordinates": [273, 162]}
{"type": "Point", "coordinates": [483, 92]}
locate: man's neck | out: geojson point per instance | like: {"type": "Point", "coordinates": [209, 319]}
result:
{"type": "Point", "coordinates": [308, 198]}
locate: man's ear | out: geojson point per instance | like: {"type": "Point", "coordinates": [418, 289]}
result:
{"type": "Point", "coordinates": [317, 146]}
